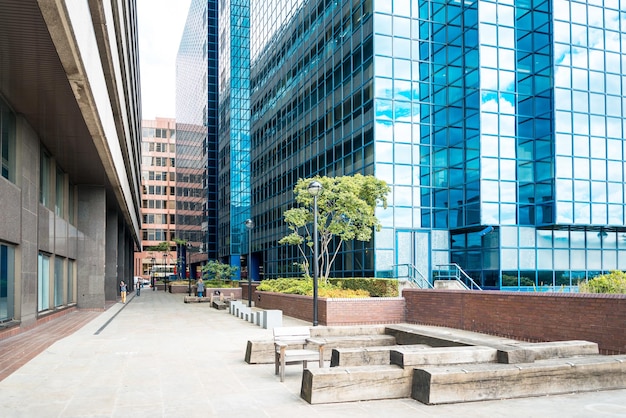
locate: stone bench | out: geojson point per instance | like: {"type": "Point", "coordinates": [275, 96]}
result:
{"type": "Point", "coordinates": [195, 299]}
{"type": "Point", "coordinates": [219, 305]}
{"type": "Point", "coordinates": [262, 351]}
{"type": "Point", "coordinates": [362, 356]}
{"type": "Point", "coordinates": [479, 382]}
{"type": "Point", "coordinates": [390, 381]}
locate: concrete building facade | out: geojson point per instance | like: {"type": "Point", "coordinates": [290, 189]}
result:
{"type": "Point", "coordinates": [158, 202]}
{"type": "Point", "coordinates": [70, 139]}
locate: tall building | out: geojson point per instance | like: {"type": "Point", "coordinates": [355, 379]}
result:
{"type": "Point", "coordinates": [158, 200]}
{"type": "Point", "coordinates": [499, 126]}
{"type": "Point", "coordinates": [70, 141]}
{"type": "Point", "coordinates": [196, 115]}
{"type": "Point", "coordinates": [234, 187]}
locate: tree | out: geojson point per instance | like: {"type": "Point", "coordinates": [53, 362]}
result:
{"type": "Point", "coordinates": [346, 211]}
{"type": "Point", "coordinates": [217, 270]}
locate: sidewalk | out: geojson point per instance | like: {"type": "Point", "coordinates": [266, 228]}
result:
{"type": "Point", "coordinates": [159, 357]}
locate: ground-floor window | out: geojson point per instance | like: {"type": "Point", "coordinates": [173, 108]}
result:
{"type": "Point", "coordinates": [43, 283]}
{"type": "Point", "coordinates": [59, 276]}
{"type": "Point", "coordinates": [7, 281]}
{"type": "Point", "coordinates": [71, 281]}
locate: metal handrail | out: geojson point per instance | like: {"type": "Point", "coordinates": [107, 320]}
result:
{"type": "Point", "coordinates": [459, 271]}
{"type": "Point", "coordinates": [422, 282]}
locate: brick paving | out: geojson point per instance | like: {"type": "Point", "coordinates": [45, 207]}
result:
{"type": "Point", "coordinates": [17, 350]}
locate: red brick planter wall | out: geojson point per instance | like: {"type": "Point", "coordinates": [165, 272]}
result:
{"type": "Point", "coordinates": [527, 316]}
{"type": "Point", "coordinates": [335, 311]}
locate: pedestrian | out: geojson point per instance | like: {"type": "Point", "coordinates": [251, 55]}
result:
{"type": "Point", "coordinates": [123, 291]}
{"type": "Point", "coordinates": [138, 285]}
{"type": "Point", "coordinates": [200, 286]}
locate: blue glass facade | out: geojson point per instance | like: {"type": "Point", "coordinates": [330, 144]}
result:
{"type": "Point", "coordinates": [499, 126]}
{"type": "Point", "coordinates": [234, 129]}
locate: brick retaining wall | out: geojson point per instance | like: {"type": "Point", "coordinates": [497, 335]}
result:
{"type": "Point", "coordinates": [528, 316]}
{"type": "Point", "coordinates": [353, 311]}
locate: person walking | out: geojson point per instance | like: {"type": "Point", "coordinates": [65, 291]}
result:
{"type": "Point", "coordinates": [138, 285]}
{"type": "Point", "coordinates": [123, 291]}
{"type": "Point", "coordinates": [200, 287]}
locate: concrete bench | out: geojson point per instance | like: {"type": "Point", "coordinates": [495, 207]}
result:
{"type": "Point", "coordinates": [479, 382]}
{"type": "Point", "coordinates": [195, 299]}
{"type": "Point", "coordinates": [362, 356]}
{"type": "Point", "coordinates": [219, 305]}
{"type": "Point", "coordinates": [384, 381]}
{"type": "Point", "coordinates": [261, 351]}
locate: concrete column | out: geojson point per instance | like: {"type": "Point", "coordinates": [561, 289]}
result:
{"type": "Point", "coordinates": [27, 237]}
{"type": "Point", "coordinates": [112, 276]}
{"type": "Point", "coordinates": [92, 240]}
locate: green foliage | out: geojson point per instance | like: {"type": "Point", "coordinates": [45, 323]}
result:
{"type": "Point", "coordinates": [163, 247]}
{"type": "Point", "coordinates": [218, 271]}
{"type": "Point", "coordinates": [377, 288]}
{"type": "Point", "coordinates": [508, 280]}
{"type": "Point", "coordinates": [305, 287]}
{"type": "Point", "coordinates": [220, 283]}
{"type": "Point", "coordinates": [346, 211]}
{"type": "Point", "coordinates": [614, 282]}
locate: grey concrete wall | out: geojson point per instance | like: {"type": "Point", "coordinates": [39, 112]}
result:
{"type": "Point", "coordinates": [91, 249]}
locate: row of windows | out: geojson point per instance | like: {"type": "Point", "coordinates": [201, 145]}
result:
{"type": "Point", "coordinates": [7, 141]}
{"type": "Point", "coordinates": [157, 204]}
{"type": "Point", "coordinates": [53, 181]}
{"type": "Point", "coordinates": [158, 147]}
{"type": "Point", "coordinates": [158, 161]}
{"type": "Point", "coordinates": [159, 190]}
{"type": "Point", "coordinates": [159, 175]}
{"type": "Point", "coordinates": [158, 235]}
{"type": "Point", "coordinates": [56, 284]}
{"type": "Point", "coordinates": [158, 218]}
{"type": "Point", "coordinates": [158, 133]}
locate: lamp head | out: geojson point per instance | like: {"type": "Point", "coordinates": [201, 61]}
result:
{"type": "Point", "coordinates": [315, 188]}
{"type": "Point", "coordinates": [249, 223]}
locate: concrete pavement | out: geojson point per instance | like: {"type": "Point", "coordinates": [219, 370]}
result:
{"type": "Point", "coordinates": [159, 357]}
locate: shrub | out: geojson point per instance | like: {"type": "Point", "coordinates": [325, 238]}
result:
{"type": "Point", "coordinates": [614, 282]}
{"type": "Point", "coordinates": [305, 287]}
{"type": "Point", "coordinates": [378, 288]}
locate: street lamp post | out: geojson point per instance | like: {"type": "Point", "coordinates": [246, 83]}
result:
{"type": "Point", "coordinates": [152, 280]}
{"type": "Point", "coordinates": [183, 266]}
{"type": "Point", "coordinates": [314, 189]}
{"type": "Point", "coordinates": [165, 254]}
{"type": "Point", "coordinates": [249, 224]}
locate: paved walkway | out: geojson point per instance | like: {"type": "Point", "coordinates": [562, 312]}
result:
{"type": "Point", "coordinates": [159, 357]}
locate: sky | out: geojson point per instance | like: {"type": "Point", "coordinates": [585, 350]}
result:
{"type": "Point", "coordinates": [161, 25]}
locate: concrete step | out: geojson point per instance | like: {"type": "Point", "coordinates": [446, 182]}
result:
{"type": "Point", "coordinates": [479, 382]}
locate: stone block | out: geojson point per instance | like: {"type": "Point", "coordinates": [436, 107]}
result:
{"type": "Point", "coordinates": [479, 382]}
{"type": "Point", "coordinates": [348, 384]}
{"type": "Point", "coordinates": [443, 355]}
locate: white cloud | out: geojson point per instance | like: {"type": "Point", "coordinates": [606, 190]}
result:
{"type": "Point", "coordinates": [161, 24]}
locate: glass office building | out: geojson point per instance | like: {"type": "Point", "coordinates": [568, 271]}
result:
{"type": "Point", "coordinates": [499, 126]}
{"type": "Point", "coordinates": [196, 132]}
{"type": "Point", "coordinates": [234, 130]}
